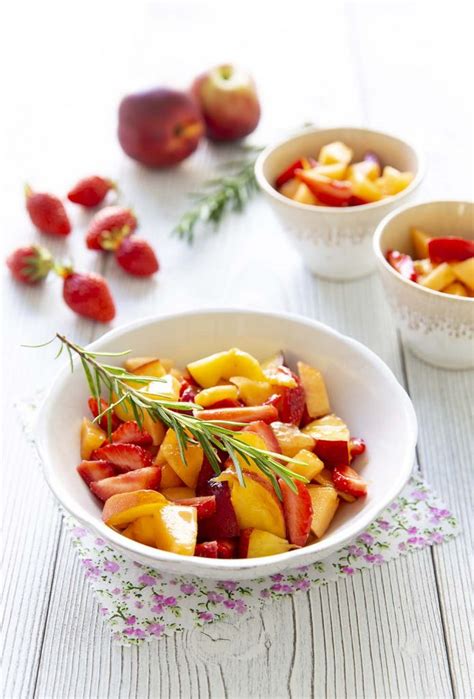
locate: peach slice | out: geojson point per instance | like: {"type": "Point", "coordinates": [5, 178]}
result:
{"type": "Point", "coordinates": [304, 195]}
{"type": "Point", "coordinates": [336, 171]}
{"type": "Point", "coordinates": [291, 439]}
{"type": "Point", "coordinates": [208, 371]}
{"type": "Point", "coordinates": [332, 436]}
{"type": "Point", "coordinates": [464, 272]}
{"type": "Point", "coordinates": [154, 427]}
{"type": "Point", "coordinates": [363, 188]}
{"type": "Point", "coordinates": [439, 278]}
{"type": "Point", "coordinates": [152, 368]}
{"type": "Point", "coordinates": [178, 493]}
{"type": "Point", "coordinates": [92, 437]}
{"type": "Point", "coordinates": [393, 181]}
{"type": "Point", "coordinates": [317, 400]}
{"type": "Point", "coordinates": [169, 477]}
{"type": "Point", "coordinates": [255, 543]}
{"type": "Point", "coordinates": [420, 242]}
{"type": "Point", "coordinates": [336, 152]}
{"type": "Point", "coordinates": [367, 168]}
{"type": "Point", "coordinates": [256, 504]}
{"type": "Point", "coordinates": [253, 440]}
{"type": "Point", "coordinates": [165, 389]}
{"type": "Point", "coordinates": [251, 392]}
{"type": "Point", "coordinates": [325, 503]}
{"type": "Point", "coordinates": [289, 188]}
{"type": "Point", "coordinates": [121, 509]}
{"type": "Point", "coordinates": [143, 530]}
{"type": "Point", "coordinates": [209, 396]}
{"type": "Point", "coordinates": [456, 289]}
{"type": "Point", "coordinates": [133, 363]}
{"type": "Point", "coordinates": [176, 528]}
{"type": "Point", "coordinates": [309, 464]}
{"type": "Point", "coordinates": [273, 362]}
{"type": "Point", "coordinates": [187, 470]}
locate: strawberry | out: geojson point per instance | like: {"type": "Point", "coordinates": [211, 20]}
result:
{"type": "Point", "coordinates": [137, 257]}
{"type": "Point", "coordinates": [92, 471]}
{"type": "Point", "coordinates": [130, 433]}
{"type": "Point", "coordinates": [226, 548]}
{"type": "Point", "coordinates": [205, 506]}
{"type": "Point", "coordinates": [348, 481]}
{"type": "Point", "coordinates": [92, 403]}
{"type": "Point", "coordinates": [188, 391]}
{"type": "Point", "coordinates": [88, 295]}
{"type": "Point", "coordinates": [30, 264]}
{"type": "Point", "coordinates": [298, 510]}
{"type": "Point", "coordinates": [208, 549]}
{"type": "Point", "coordinates": [90, 191]}
{"type": "Point", "coordinates": [356, 447]}
{"type": "Point", "coordinates": [109, 226]}
{"type": "Point", "coordinates": [141, 479]}
{"type": "Point", "coordinates": [47, 212]}
{"type": "Point", "coordinates": [128, 457]}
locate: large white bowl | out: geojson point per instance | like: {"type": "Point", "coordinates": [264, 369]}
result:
{"type": "Point", "coordinates": [438, 328]}
{"type": "Point", "coordinates": [361, 387]}
{"type": "Point", "coordinates": [335, 242]}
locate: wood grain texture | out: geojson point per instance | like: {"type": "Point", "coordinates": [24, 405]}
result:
{"type": "Point", "coordinates": [397, 631]}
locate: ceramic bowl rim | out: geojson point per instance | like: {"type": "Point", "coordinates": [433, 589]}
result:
{"type": "Point", "coordinates": [288, 559]}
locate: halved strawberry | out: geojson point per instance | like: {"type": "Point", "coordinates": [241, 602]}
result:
{"type": "Point", "coordinates": [95, 470]}
{"type": "Point", "coordinates": [141, 479]}
{"type": "Point", "coordinates": [298, 510]}
{"type": "Point", "coordinates": [205, 505]}
{"type": "Point", "coordinates": [356, 447]}
{"type": "Point", "coordinates": [226, 548]}
{"type": "Point", "coordinates": [130, 433]}
{"type": "Point", "coordinates": [348, 481]}
{"type": "Point", "coordinates": [266, 433]}
{"type": "Point", "coordinates": [208, 549]}
{"type": "Point", "coordinates": [93, 407]}
{"type": "Point", "coordinates": [127, 457]}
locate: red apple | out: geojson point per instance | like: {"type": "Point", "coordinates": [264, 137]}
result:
{"type": "Point", "coordinates": [159, 127]}
{"type": "Point", "coordinates": [228, 101]}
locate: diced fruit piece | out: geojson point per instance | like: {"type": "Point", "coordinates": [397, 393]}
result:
{"type": "Point", "coordinates": [393, 181]}
{"type": "Point", "coordinates": [450, 249]}
{"type": "Point", "coordinates": [363, 188]}
{"type": "Point", "coordinates": [291, 405]}
{"type": "Point", "coordinates": [273, 362]}
{"type": "Point", "coordinates": [176, 528]}
{"type": "Point", "coordinates": [253, 439]}
{"type": "Point", "coordinates": [169, 477]}
{"type": "Point", "coordinates": [95, 470]}
{"type": "Point", "coordinates": [298, 512]}
{"type": "Point", "coordinates": [133, 363]}
{"type": "Point", "coordinates": [464, 271]}
{"type": "Point", "coordinates": [317, 400]}
{"type": "Point", "coordinates": [266, 433]}
{"type": "Point", "coordinates": [140, 479]}
{"type": "Point", "coordinates": [280, 376]}
{"type": "Point", "coordinates": [304, 195]}
{"type": "Point", "coordinates": [152, 367]}
{"type": "Point", "coordinates": [155, 428]}
{"type": "Point", "coordinates": [188, 391]}
{"type": "Point", "coordinates": [187, 470]}
{"type": "Point", "coordinates": [226, 548]}
{"type": "Point", "coordinates": [422, 267]}
{"type": "Point", "coordinates": [332, 439]}
{"type": "Point", "coordinates": [93, 407]}
{"type": "Point", "coordinates": [310, 465]}
{"type": "Point", "coordinates": [456, 289]}
{"type": "Point", "coordinates": [130, 433]}
{"type": "Point", "coordinates": [205, 505]}
{"type": "Point", "coordinates": [167, 388]}
{"type": "Point", "coordinates": [223, 524]}
{"type": "Point", "coordinates": [403, 264]}
{"type": "Point", "coordinates": [208, 371]}
{"type": "Point", "coordinates": [325, 503]}
{"type": "Point", "coordinates": [123, 508]}
{"type": "Point", "coordinates": [212, 395]}
{"type": "Point", "coordinates": [127, 457]}
{"type": "Point", "coordinates": [336, 152]}
{"type": "Point", "coordinates": [289, 188]}
{"type": "Point", "coordinates": [179, 492]}
{"type": "Point", "coordinates": [255, 543]}
{"type": "Point", "coordinates": [324, 478]}
{"type": "Point", "coordinates": [289, 173]}
{"type": "Point", "coordinates": [208, 549]}
{"type": "Point", "coordinates": [251, 392]}
{"type": "Point", "coordinates": [256, 505]}
{"type": "Point", "coordinates": [356, 447]}
{"type": "Point", "coordinates": [143, 530]}
{"type": "Point", "coordinates": [328, 192]}
{"type": "Point", "coordinates": [92, 436]}
{"type": "Point", "coordinates": [291, 439]}
{"type": "Point", "coordinates": [267, 413]}
{"type": "Point", "coordinates": [348, 481]}
{"type": "Point", "coordinates": [439, 278]}
{"type": "Point", "coordinates": [335, 171]}
{"type": "Point", "coordinates": [369, 169]}
{"type": "Point", "coordinates": [420, 242]}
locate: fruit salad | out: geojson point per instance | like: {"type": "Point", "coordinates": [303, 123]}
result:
{"type": "Point", "coordinates": [333, 179]}
{"type": "Point", "coordinates": [441, 264]}
{"type": "Point", "coordinates": [279, 465]}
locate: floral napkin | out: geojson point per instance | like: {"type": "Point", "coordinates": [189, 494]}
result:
{"type": "Point", "coordinates": [141, 603]}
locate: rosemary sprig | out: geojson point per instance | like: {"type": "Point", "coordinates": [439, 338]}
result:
{"type": "Point", "coordinates": [179, 416]}
{"type": "Point", "coordinates": [229, 192]}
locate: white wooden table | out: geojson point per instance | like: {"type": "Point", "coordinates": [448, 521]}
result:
{"type": "Point", "coordinates": [397, 631]}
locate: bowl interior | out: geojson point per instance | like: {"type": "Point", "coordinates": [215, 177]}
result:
{"type": "Point", "coordinates": [440, 218]}
{"type": "Point", "coordinates": [392, 151]}
{"type": "Point", "coordinates": [361, 388]}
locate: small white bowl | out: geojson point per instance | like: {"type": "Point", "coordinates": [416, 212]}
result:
{"type": "Point", "coordinates": [335, 242]}
{"type": "Point", "coordinates": [438, 328]}
{"type": "Point", "coordinates": [361, 387]}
